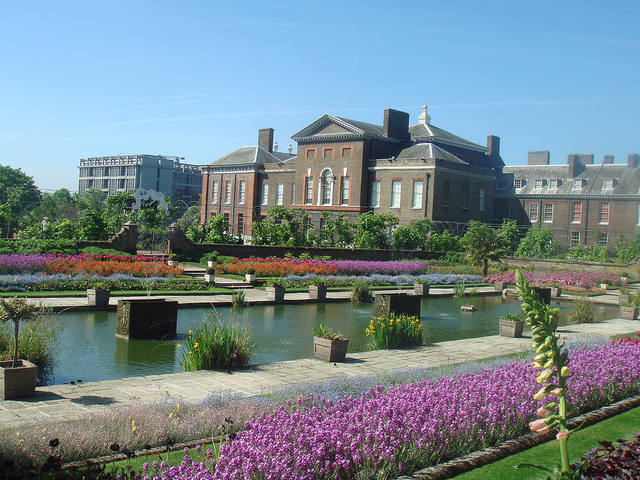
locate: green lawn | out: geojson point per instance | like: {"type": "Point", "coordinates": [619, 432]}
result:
{"type": "Point", "coordinates": [625, 425]}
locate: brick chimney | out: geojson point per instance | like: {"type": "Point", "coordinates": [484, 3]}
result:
{"type": "Point", "coordinates": [575, 166]}
{"type": "Point", "coordinates": [265, 139]}
{"type": "Point", "coordinates": [540, 157]}
{"type": "Point", "coordinates": [633, 160]}
{"type": "Point", "coordinates": [607, 160]}
{"type": "Point", "coordinates": [493, 143]}
{"type": "Point", "coordinates": [396, 124]}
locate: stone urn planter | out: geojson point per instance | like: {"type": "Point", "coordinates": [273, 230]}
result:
{"type": "Point", "coordinates": [421, 289]}
{"type": "Point", "coordinates": [98, 297]}
{"type": "Point", "coordinates": [318, 292]}
{"type": "Point", "coordinates": [275, 294]}
{"type": "Point", "coordinates": [511, 328]}
{"type": "Point", "coordinates": [330, 350]}
{"type": "Point", "coordinates": [18, 382]}
{"type": "Point", "coordinates": [629, 312]}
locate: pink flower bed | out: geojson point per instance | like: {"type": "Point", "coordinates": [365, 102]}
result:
{"type": "Point", "coordinates": [564, 278]}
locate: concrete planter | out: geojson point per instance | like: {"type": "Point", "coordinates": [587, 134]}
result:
{"type": "Point", "coordinates": [318, 292]}
{"type": "Point", "coordinates": [98, 297]}
{"type": "Point", "coordinates": [511, 329]}
{"type": "Point", "coordinates": [499, 286]}
{"type": "Point", "coordinates": [330, 350]}
{"type": "Point", "coordinates": [172, 263]}
{"type": "Point", "coordinates": [623, 298]}
{"type": "Point", "coordinates": [603, 286]}
{"type": "Point", "coordinates": [629, 313]}
{"type": "Point", "coordinates": [275, 294]}
{"type": "Point", "coordinates": [250, 278]}
{"type": "Point", "coordinates": [212, 264]}
{"type": "Point", "coordinates": [421, 289]}
{"type": "Point", "coordinates": [209, 278]}
{"type": "Point", "coordinates": [556, 292]}
{"type": "Point", "coordinates": [17, 382]}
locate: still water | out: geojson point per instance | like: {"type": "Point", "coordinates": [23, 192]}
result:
{"type": "Point", "coordinates": [89, 351]}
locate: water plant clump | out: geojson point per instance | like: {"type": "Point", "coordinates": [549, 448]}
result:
{"type": "Point", "coordinates": [394, 331]}
{"type": "Point", "coordinates": [361, 292]}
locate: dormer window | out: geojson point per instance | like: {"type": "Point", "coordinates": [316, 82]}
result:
{"type": "Point", "coordinates": [578, 183]}
{"type": "Point", "coordinates": [608, 183]}
{"type": "Point", "coordinates": [519, 183]}
{"type": "Point", "coordinates": [500, 184]}
{"type": "Point", "coordinates": [554, 182]}
{"type": "Point", "coordinates": [538, 183]}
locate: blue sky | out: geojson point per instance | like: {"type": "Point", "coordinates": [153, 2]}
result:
{"type": "Point", "coordinates": [197, 79]}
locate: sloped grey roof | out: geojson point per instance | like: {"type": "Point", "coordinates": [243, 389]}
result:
{"type": "Point", "coordinates": [625, 180]}
{"type": "Point", "coordinates": [427, 150]}
{"type": "Point", "coordinates": [429, 133]}
{"type": "Point", "coordinates": [353, 127]}
{"type": "Point", "coordinates": [369, 128]}
{"type": "Point", "coordinates": [251, 155]}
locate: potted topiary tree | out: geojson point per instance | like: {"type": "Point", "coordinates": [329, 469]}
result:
{"type": "Point", "coordinates": [213, 261]}
{"type": "Point", "coordinates": [318, 288]}
{"type": "Point", "coordinates": [328, 345]}
{"type": "Point", "coordinates": [18, 377]}
{"type": "Point", "coordinates": [511, 325]}
{"type": "Point", "coordinates": [173, 260]}
{"type": "Point", "coordinates": [210, 275]}
{"type": "Point", "coordinates": [275, 289]}
{"type": "Point", "coordinates": [98, 295]}
{"type": "Point", "coordinates": [250, 275]}
{"type": "Point", "coordinates": [421, 287]}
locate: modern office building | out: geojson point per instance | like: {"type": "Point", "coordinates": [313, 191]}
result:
{"type": "Point", "coordinates": [158, 173]}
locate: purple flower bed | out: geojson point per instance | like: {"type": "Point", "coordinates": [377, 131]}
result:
{"type": "Point", "coordinates": [363, 267]}
{"type": "Point", "coordinates": [564, 278]}
{"type": "Point", "coordinates": [388, 433]}
{"type": "Point", "coordinates": [17, 263]}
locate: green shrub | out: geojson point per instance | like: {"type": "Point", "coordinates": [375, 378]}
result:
{"type": "Point", "coordinates": [394, 331]}
{"type": "Point", "coordinates": [582, 312]}
{"type": "Point", "coordinates": [322, 331]}
{"type": "Point", "coordinates": [459, 290]}
{"type": "Point", "coordinates": [238, 299]}
{"type": "Point", "coordinates": [215, 346]}
{"type": "Point", "coordinates": [361, 292]}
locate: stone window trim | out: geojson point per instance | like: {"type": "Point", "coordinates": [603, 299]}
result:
{"type": "Point", "coordinates": [309, 181]}
{"type": "Point", "coordinates": [348, 150]}
{"type": "Point", "coordinates": [547, 213]}
{"type": "Point", "coordinates": [214, 191]}
{"type": "Point", "coordinates": [327, 152]}
{"type": "Point", "coordinates": [576, 212]}
{"type": "Point", "coordinates": [311, 153]}
{"type": "Point", "coordinates": [396, 193]}
{"type": "Point", "coordinates": [605, 213]}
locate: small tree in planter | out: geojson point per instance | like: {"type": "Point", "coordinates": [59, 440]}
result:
{"type": "Point", "coordinates": [250, 275]}
{"type": "Point", "coordinates": [421, 287]}
{"type": "Point", "coordinates": [318, 288]}
{"type": "Point", "coordinates": [329, 345]}
{"type": "Point", "coordinates": [511, 325]}
{"type": "Point", "coordinates": [99, 295]}
{"type": "Point", "coordinates": [275, 289]}
{"type": "Point", "coordinates": [210, 275]}
{"type": "Point", "coordinates": [212, 261]}
{"type": "Point", "coordinates": [18, 376]}
{"type": "Point", "coordinates": [173, 260]}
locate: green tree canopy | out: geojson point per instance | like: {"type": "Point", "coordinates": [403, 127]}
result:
{"type": "Point", "coordinates": [18, 193]}
{"type": "Point", "coordinates": [374, 230]}
{"type": "Point", "coordinates": [413, 236]}
{"type": "Point", "coordinates": [484, 244]}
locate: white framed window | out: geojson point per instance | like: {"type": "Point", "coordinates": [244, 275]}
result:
{"type": "Point", "coordinates": [241, 191]}
{"type": "Point", "coordinates": [518, 183]}
{"type": "Point", "coordinates": [604, 213]}
{"type": "Point", "coordinates": [227, 191]}
{"type": "Point", "coordinates": [326, 184]}
{"type": "Point", "coordinates": [607, 184]}
{"type": "Point", "coordinates": [264, 194]}
{"type": "Point", "coordinates": [279, 193]}
{"type": "Point", "coordinates": [548, 213]}
{"type": "Point", "coordinates": [396, 192]}
{"type": "Point", "coordinates": [308, 190]}
{"type": "Point", "coordinates": [344, 190]}
{"type": "Point", "coordinates": [416, 201]}
{"type": "Point", "coordinates": [576, 212]}
{"type": "Point", "coordinates": [214, 191]}
{"type": "Point", "coordinates": [554, 183]}
{"type": "Point", "coordinates": [578, 183]}
{"type": "Point", "coordinates": [638, 219]}
{"type": "Point", "coordinates": [603, 240]}
{"type": "Point", "coordinates": [482, 200]}
{"type": "Point", "coordinates": [534, 215]}
{"type": "Point", "coordinates": [293, 193]}
{"type": "Point", "coordinates": [538, 183]}
{"type": "Point", "coordinates": [575, 239]}
{"type": "Point", "coordinates": [375, 195]}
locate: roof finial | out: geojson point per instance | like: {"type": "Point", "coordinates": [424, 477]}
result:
{"type": "Point", "coordinates": [424, 118]}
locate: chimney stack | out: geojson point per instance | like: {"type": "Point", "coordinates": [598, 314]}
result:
{"type": "Point", "coordinates": [493, 143]}
{"type": "Point", "coordinates": [265, 139]}
{"type": "Point", "coordinates": [607, 160]}
{"type": "Point", "coordinates": [633, 160]}
{"type": "Point", "coordinates": [396, 124]}
{"type": "Point", "coordinates": [575, 166]}
{"type": "Point", "coordinates": [540, 157]}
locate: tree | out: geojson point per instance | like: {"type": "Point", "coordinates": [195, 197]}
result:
{"type": "Point", "coordinates": [373, 230]}
{"type": "Point", "coordinates": [217, 230]}
{"type": "Point", "coordinates": [335, 231]}
{"type": "Point", "coordinates": [18, 192]}
{"type": "Point", "coordinates": [413, 236]}
{"type": "Point", "coordinates": [483, 244]}
{"type": "Point", "coordinates": [537, 243]}
{"type": "Point", "coordinates": [284, 226]}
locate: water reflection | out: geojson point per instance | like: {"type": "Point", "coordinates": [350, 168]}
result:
{"type": "Point", "coordinates": [90, 351]}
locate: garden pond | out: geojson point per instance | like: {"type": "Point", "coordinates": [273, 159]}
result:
{"type": "Point", "coordinates": [88, 349]}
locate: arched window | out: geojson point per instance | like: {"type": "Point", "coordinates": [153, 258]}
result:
{"type": "Point", "coordinates": [326, 187]}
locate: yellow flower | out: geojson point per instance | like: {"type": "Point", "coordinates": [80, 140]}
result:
{"type": "Point", "coordinates": [177, 406]}
{"type": "Point", "coordinates": [133, 426]}
{"type": "Point", "coordinates": [190, 332]}
{"type": "Point", "coordinates": [195, 347]}
{"type": "Point", "coordinates": [178, 345]}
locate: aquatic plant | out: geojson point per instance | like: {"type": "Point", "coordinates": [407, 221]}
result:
{"type": "Point", "coordinates": [394, 331]}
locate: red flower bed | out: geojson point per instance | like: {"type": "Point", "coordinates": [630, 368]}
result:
{"type": "Point", "coordinates": [281, 267]}
{"type": "Point", "coordinates": [85, 265]}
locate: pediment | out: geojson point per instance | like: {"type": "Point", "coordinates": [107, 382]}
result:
{"type": "Point", "coordinates": [328, 125]}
